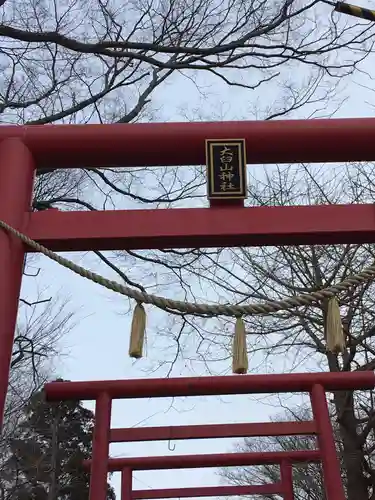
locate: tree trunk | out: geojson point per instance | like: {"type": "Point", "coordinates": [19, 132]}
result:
{"type": "Point", "coordinates": [352, 454]}
{"type": "Point", "coordinates": [353, 458]}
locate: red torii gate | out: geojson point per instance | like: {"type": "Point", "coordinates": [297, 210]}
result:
{"type": "Point", "coordinates": [316, 384]}
{"type": "Point", "coordinates": [23, 149]}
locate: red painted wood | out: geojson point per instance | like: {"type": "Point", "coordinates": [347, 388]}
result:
{"type": "Point", "coordinates": [100, 448]}
{"type": "Point", "coordinates": [202, 227]}
{"type": "Point", "coordinates": [143, 144]}
{"type": "Point", "coordinates": [212, 431]}
{"type": "Point", "coordinates": [213, 460]}
{"type": "Point", "coordinates": [22, 149]}
{"type": "Point", "coordinates": [208, 491]}
{"type": "Point", "coordinates": [126, 484]}
{"type": "Point", "coordinates": [16, 182]}
{"type": "Point", "coordinates": [286, 474]}
{"type": "Point", "coordinates": [330, 463]}
{"type": "Point", "coordinates": [209, 386]}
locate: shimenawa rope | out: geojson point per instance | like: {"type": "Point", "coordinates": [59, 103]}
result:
{"type": "Point", "coordinates": [195, 308]}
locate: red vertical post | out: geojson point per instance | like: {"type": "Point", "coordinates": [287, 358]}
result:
{"type": "Point", "coordinates": [126, 484]}
{"type": "Point", "coordinates": [16, 186]}
{"type": "Point", "coordinates": [331, 465]}
{"type": "Point", "coordinates": [286, 475]}
{"type": "Point", "coordinates": [100, 448]}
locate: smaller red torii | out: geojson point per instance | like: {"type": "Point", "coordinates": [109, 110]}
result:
{"type": "Point", "coordinates": [316, 384]}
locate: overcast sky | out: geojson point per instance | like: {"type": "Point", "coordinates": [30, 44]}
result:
{"type": "Point", "coordinates": [97, 346]}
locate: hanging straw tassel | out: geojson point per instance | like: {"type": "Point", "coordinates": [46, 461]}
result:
{"type": "Point", "coordinates": [137, 334]}
{"type": "Point", "coordinates": [240, 362]}
{"type": "Point", "coordinates": [334, 331]}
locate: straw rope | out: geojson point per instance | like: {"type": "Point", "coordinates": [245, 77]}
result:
{"type": "Point", "coordinates": [195, 308]}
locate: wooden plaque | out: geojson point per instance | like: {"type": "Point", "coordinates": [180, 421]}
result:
{"type": "Point", "coordinates": [226, 168]}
